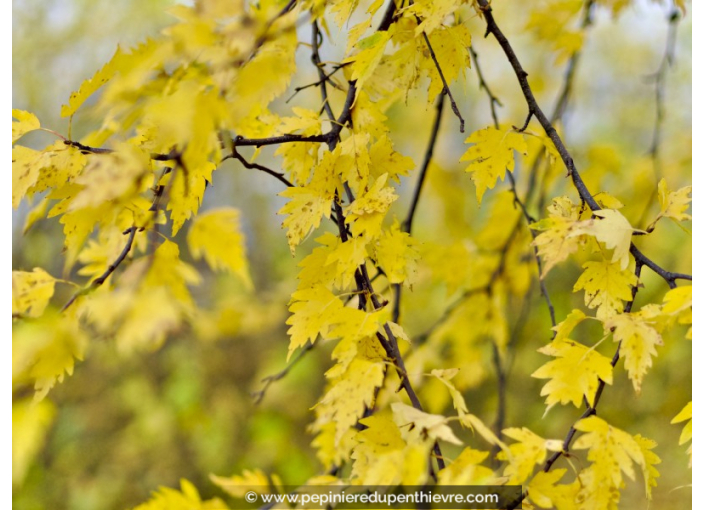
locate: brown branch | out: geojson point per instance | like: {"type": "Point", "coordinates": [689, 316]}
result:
{"type": "Point", "coordinates": [110, 269]}
{"type": "Point", "coordinates": [439, 104]}
{"type": "Point", "coordinates": [276, 140]}
{"type": "Point", "coordinates": [255, 166]}
{"type": "Point", "coordinates": [86, 149]}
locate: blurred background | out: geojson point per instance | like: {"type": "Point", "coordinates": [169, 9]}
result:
{"type": "Point", "coordinates": [124, 424]}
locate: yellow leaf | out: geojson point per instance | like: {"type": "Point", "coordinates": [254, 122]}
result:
{"type": "Point", "coordinates": [30, 424]}
{"type": "Point", "coordinates": [432, 14]}
{"type": "Point", "coordinates": [685, 414]}
{"type": "Point", "coordinates": [348, 256]}
{"type": "Point", "coordinates": [673, 204]}
{"type": "Point", "coordinates": [554, 243]}
{"type": "Point", "coordinates": [480, 427]}
{"type": "Point", "coordinates": [605, 286]}
{"type": "Point", "coordinates": [612, 452]}
{"type": "Point", "coordinates": [267, 75]}
{"type": "Point", "coordinates": [45, 350]}
{"type": "Point", "coordinates": [564, 329]}
{"type": "Point", "coordinates": [637, 340]}
{"type": "Point", "coordinates": [529, 450]}
{"type": "Point", "coordinates": [37, 213]}
{"type": "Point", "coordinates": [31, 292]}
{"type": "Point", "coordinates": [89, 86]}
{"type": "Point", "coordinates": [574, 374]}
{"type": "Point", "coordinates": [397, 253]}
{"type": "Point", "coordinates": [379, 453]}
{"type": "Point", "coordinates": [444, 377]}
{"type": "Point", "coordinates": [216, 236]}
{"type": "Point", "coordinates": [61, 164]}
{"type": "Point", "coordinates": [422, 425]}
{"type": "Point", "coordinates": [650, 460]}
{"type": "Point", "coordinates": [317, 311]}
{"type": "Point", "coordinates": [612, 229]}
{"type": "Point", "coordinates": [491, 156]}
{"type": "Point", "coordinates": [353, 164]}
{"type": "Point", "coordinates": [99, 254]}
{"type": "Point", "coordinates": [351, 393]}
{"type": "Point", "coordinates": [306, 208]}
{"type": "Point", "coordinates": [545, 492]}
{"type": "Point", "coordinates": [187, 190]}
{"type": "Point", "coordinates": [314, 268]}
{"type": "Point", "coordinates": [152, 314]}
{"type": "Point", "coordinates": [368, 117]}
{"type": "Point", "coordinates": [26, 164]}
{"type": "Point", "coordinates": [25, 123]}
{"type": "Point", "coordinates": [299, 159]}
{"type": "Point", "coordinates": [167, 270]}
{"type": "Point", "coordinates": [185, 499]}
{"type": "Point", "coordinates": [467, 470]}
{"type": "Point", "coordinates": [371, 50]}
{"type": "Point", "coordinates": [238, 485]}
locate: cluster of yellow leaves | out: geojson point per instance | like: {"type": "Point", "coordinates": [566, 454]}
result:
{"type": "Point", "coordinates": [185, 499]}
{"type": "Point", "coordinates": [612, 453]}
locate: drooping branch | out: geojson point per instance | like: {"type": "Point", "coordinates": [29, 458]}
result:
{"type": "Point", "coordinates": [535, 110]}
{"type": "Point", "coordinates": [585, 195]}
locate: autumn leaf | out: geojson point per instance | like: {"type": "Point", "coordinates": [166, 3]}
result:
{"type": "Point", "coordinates": [673, 204]}
{"type": "Point", "coordinates": [306, 208]}
{"type": "Point", "coordinates": [685, 415]}
{"type": "Point", "coordinates": [574, 374]}
{"type": "Point", "coordinates": [606, 286]}
{"type": "Point", "coordinates": [216, 236]}
{"type": "Point", "coordinates": [491, 155]}
{"type": "Point", "coordinates": [610, 228]}
{"type": "Point", "coordinates": [31, 292]}
{"type": "Point", "coordinates": [637, 340]}
{"type": "Point", "coordinates": [25, 123]}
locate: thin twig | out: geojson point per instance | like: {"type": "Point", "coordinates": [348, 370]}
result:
{"type": "Point", "coordinates": [493, 100]}
{"type": "Point", "coordinates": [659, 78]}
{"type": "Point", "coordinates": [323, 78]}
{"type": "Point", "coordinates": [439, 104]}
{"type": "Point", "coordinates": [110, 269]}
{"type": "Point", "coordinates": [446, 89]}
{"type": "Point", "coordinates": [259, 395]}
{"type": "Point", "coordinates": [255, 166]}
